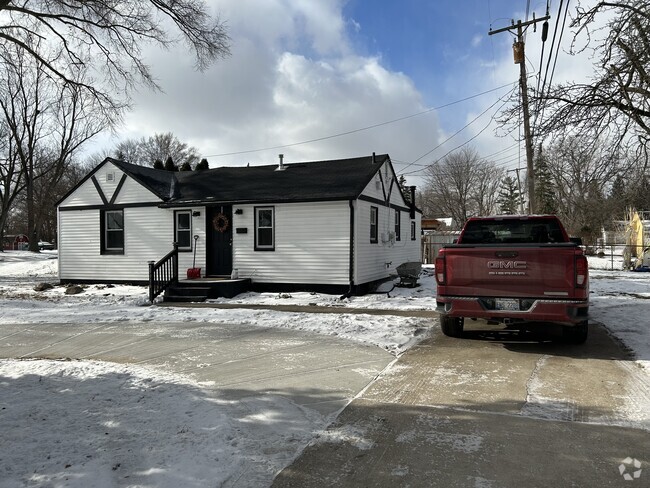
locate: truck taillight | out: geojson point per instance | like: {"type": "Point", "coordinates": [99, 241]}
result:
{"type": "Point", "coordinates": [440, 270]}
{"type": "Point", "coordinates": [581, 271]}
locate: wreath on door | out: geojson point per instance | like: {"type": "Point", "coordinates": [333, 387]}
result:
{"type": "Point", "coordinates": [220, 222]}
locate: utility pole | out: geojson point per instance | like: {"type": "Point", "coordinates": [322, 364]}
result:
{"type": "Point", "coordinates": [520, 58]}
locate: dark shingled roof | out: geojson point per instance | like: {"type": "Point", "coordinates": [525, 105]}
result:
{"type": "Point", "coordinates": [161, 183]}
{"type": "Point", "coordinates": [321, 180]}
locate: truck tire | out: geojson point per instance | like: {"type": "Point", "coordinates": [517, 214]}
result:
{"type": "Point", "coordinates": [451, 326]}
{"type": "Point", "coordinates": [576, 334]}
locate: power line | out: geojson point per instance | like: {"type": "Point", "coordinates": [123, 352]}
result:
{"type": "Point", "coordinates": [541, 57]}
{"type": "Point", "coordinates": [374, 126]}
{"type": "Point", "coordinates": [541, 106]}
{"type": "Point", "coordinates": [502, 161]}
{"type": "Point", "coordinates": [462, 129]}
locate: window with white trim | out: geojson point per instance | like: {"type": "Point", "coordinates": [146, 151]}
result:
{"type": "Point", "coordinates": [398, 225]}
{"type": "Point", "coordinates": [112, 231]}
{"type": "Point", "coordinates": [264, 228]}
{"type": "Point", "coordinates": [183, 229]}
{"type": "Point", "coordinates": [413, 229]}
{"type": "Point", "coordinates": [374, 225]}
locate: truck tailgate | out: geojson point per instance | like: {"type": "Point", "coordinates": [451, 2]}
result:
{"type": "Point", "coordinates": [492, 271]}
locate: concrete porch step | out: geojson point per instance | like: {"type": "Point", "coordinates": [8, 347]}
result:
{"type": "Point", "coordinates": [199, 290]}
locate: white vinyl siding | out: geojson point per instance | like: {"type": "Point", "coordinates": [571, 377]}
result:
{"type": "Point", "coordinates": [130, 192]}
{"type": "Point", "coordinates": [378, 261]}
{"type": "Point", "coordinates": [133, 192]}
{"type": "Point", "coordinates": [312, 244]}
{"type": "Point", "coordinates": [149, 236]}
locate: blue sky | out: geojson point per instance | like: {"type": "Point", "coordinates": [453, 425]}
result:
{"type": "Point", "coordinates": [307, 78]}
{"type": "Point", "coordinates": [429, 41]}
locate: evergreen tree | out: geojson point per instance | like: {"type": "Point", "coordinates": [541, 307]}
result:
{"type": "Point", "coordinates": [618, 199]}
{"type": "Point", "coordinates": [186, 166]}
{"type": "Point", "coordinates": [169, 164]}
{"type": "Point", "coordinates": [509, 196]}
{"type": "Point", "coordinates": [640, 197]}
{"type": "Point", "coordinates": [545, 199]}
{"type": "Point", "coordinates": [158, 164]}
{"type": "Point", "coordinates": [406, 190]}
{"type": "Point", "coordinates": [202, 165]}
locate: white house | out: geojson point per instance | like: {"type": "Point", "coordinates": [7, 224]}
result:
{"type": "Point", "coordinates": [335, 225]}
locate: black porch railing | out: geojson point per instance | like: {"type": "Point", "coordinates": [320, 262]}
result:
{"type": "Point", "coordinates": [163, 274]}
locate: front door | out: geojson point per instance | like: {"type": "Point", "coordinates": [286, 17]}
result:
{"type": "Point", "coordinates": [219, 239]}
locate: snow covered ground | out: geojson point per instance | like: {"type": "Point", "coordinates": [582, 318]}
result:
{"type": "Point", "coordinates": [55, 413]}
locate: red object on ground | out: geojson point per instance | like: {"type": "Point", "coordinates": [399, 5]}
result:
{"type": "Point", "coordinates": [193, 273]}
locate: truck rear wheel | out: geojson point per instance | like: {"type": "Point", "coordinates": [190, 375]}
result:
{"type": "Point", "coordinates": [451, 326]}
{"type": "Point", "coordinates": [576, 334]}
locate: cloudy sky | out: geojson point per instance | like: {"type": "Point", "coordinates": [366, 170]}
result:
{"type": "Point", "coordinates": [325, 79]}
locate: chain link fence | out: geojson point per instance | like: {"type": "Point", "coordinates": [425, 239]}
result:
{"type": "Point", "coordinates": [619, 256]}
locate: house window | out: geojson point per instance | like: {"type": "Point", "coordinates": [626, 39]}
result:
{"type": "Point", "coordinates": [264, 228]}
{"type": "Point", "coordinates": [398, 226]}
{"type": "Point", "coordinates": [413, 228]}
{"type": "Point", "coordinates": [183, 229]}
{"type": "Point", "coordinates": [113, 231]}
{"type": "Point", "coordinates": [374, 225]}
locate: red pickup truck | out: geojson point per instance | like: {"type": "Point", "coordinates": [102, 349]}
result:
{"type": "Point", "coordinates": [523, 271]}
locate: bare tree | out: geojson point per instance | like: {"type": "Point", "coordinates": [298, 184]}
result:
{"type": "Point", "coordinates": [11, 177]}
{"type": "Point", "coordinates": [486, 190]}
{"type": "Point", "coordinates": [461, 186]}
{"type": "Point", "coordinates": [106, 37]}
{"type": "Point", "coordinates": [614, 106]}
{"type": "Point", "coordinates": [163, 146]}
{"type": "Point", "coordinates": [581, 172]}
{"type": "Point", "coordinates": [46, 123]}
{"type": "Point", "coordinates": [147, 150]}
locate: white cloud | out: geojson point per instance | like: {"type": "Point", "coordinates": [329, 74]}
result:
{"type": "Point", "coordinates": [293, 76]}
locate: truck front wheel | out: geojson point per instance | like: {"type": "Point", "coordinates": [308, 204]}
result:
{"type": "Point", "coordinates": [451, 326]}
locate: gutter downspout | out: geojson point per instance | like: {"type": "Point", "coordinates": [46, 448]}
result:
{"type": "Point", "coordinates": [348, 294]}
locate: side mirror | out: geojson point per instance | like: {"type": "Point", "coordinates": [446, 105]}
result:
{"type": "Point", "coordinates": [455, 240]}
{"type": "Point", "coordinates": [576, 240]}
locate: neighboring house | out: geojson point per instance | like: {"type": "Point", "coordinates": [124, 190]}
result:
{"type": "Point", "coordinates": [331, 225]}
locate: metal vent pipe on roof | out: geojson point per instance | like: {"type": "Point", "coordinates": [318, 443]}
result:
{"type": "Point", "coordinates": [281, 167]}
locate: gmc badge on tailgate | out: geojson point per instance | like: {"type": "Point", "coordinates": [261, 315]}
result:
{"type": "Point", "coordinates": [506, 266]}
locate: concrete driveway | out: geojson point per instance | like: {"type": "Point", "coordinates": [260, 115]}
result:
{"type": "Point", "coordinates": [495, 409]}
{"type": "Point", "coordinates": [320, 372]}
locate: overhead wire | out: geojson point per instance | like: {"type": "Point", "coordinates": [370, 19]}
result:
{"type": "Point", "coordinates": [539, 113]}
{"type": "Point", "coordinates": [541, 57]}
{"type": "Point", "coordinates": [353, 131]}
{"type": "Point", "coordinates": [512, 158]}
{"type": "Point", "coordinates": [462, 129]}
{"type": "Point", "coordinates": [398, 162]}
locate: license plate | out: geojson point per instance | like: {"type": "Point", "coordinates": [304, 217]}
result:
{"type": "Point", "coordinates": [506, 304]}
